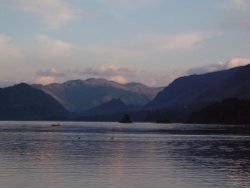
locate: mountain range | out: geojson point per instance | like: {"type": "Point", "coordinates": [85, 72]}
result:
{"type": "Point", "coordinates": [81, 95]}
{"type": "Point", "coordinates": [100, 99]}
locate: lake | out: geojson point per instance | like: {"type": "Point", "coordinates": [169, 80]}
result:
{"type": "Point", "coordinates": [113, 155]}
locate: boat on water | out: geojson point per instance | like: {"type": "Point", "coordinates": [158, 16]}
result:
{"type": "Point", "coordinates": [55, 125]}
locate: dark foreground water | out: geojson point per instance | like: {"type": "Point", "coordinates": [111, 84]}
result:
{"type": "Point", "coordinates": [112, 155]}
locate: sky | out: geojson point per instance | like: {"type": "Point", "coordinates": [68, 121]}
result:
{"type": "Point", "coordinates": [147, 41]}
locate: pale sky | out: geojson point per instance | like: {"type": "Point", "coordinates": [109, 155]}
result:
{"type": "Point", "coordinates": [147, 41]}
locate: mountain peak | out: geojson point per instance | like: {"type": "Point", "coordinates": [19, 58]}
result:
{"type": "Point", "coordinates": [100, 81]}
{"type": "Point", "coordinates": [113, 106]}
{"type": "Point", "coordinates": [73, 82]}
{"type": "Point", "coordinates": [133, 84]}
{"type": "Point", "coordinates": [90, 81]}
{"type": "Point", "coordinates": [96, 80]}
{"type": "Point", "coordinates": [22, 85]}
{"type": "Point", "coordinates": [81, 95]}
{"type": "Point", "coordinates": [23, 102]}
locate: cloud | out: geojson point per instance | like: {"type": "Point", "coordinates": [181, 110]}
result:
{"type": "Point", "coordinates": [119, 79]}
{"type": "Point", "coordinates": [53, 72]}
{"type": "Point", "coordinates": [128, 3]}
{"type": "Point", "coordinates": [236, 62]}
{"type": "Point", "coordinates": [44, 80]}
{"type": "Point", "coordinates": [115, 73]}
{"type": "Point", "coordinates": [7, 82]}
{"type": "Point", "coordinates": [109, 70]}
{"type": "Point", "coordinates": [8, 51]}
{"type": "Point", "coordinates": [147, 46]}
{"type": "Point", "coordinates": [113, 52]}
{"type": "Point", "coordinates": [124, 74]}
{"type": "Point", "coordinates": [49, 76]}
{"type": "Point", "coordinates": [176, 42]}
{"type": "Point", "coordinates": [54, 48]}
{"type": "Point", "coordinates": [53, 13]}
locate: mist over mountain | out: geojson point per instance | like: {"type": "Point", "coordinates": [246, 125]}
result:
{"type": "Point", "coordinates": [23, 102]}
{"type": "Point", "coordinates": [82, 95]}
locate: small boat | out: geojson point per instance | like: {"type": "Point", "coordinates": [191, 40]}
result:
{"type": "Point", "coordinates": [55, 125]}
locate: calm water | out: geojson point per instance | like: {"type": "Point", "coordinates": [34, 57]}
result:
{"type": "Point", "coordinates": [111, 155]}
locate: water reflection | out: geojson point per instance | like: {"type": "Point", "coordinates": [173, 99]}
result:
{"type": "Point", "coordinates": [222, 158]}
{"type": "Point", "coordinates": [34, 155]}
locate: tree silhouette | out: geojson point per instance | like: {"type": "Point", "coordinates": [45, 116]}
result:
{"type": "Point", "coordinates": [125, 119]}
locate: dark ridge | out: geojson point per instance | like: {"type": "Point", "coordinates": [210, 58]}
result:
{"type": "Point", "coordinates": [192, 93]}
{"type": "Point", "coordinates": [230, 111]}
{"type": "Point", "coordinates": [23, 102]}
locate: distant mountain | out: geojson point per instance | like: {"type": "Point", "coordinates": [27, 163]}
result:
{"type": "Point", "coordinates": [229, 111]}
{"type": "Point", "coordinates": [110, 107]}
{"type": "Point", "coordinates": [189, 93]}
{"type": "Point", "coordinates": [82, 95]}
{"type": "Point", "coordinates": [23, 102]}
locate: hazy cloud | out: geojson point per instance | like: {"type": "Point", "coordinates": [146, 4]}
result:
{"type": "Point", "coordinates": [147, 46]}
{"type": "Point", "coordinates": [53, 47]}
{"type": "Point", "coordinates": [49, 76]}
{"type": "Point", "coordinates": [8, 51]}
{"type": "Point", "coordinates": [44, 80]}
{"type": "Point", "coordinates": [128, 3]}
{"type": "Point", "coordinates": [238, 62]}
{"type": "Point", "coordinates": [220, 66]}
{"type": "Point", "coordinates": [7, 82]}
{"type": "Point", "coordinates": [109, 71]}
{"type": "Point", "coordinates": [53, 72]}
{"type": "Point", "coordinates": [176, 42]}
{"type": "Point", "coordinates": [119, 79]}
{"type": "Point", "coordinates": [116, 73]}
{"type": "Point", "coordinates": [113, 52]}
{"type": "Point", "coordinates": [53, 13]}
